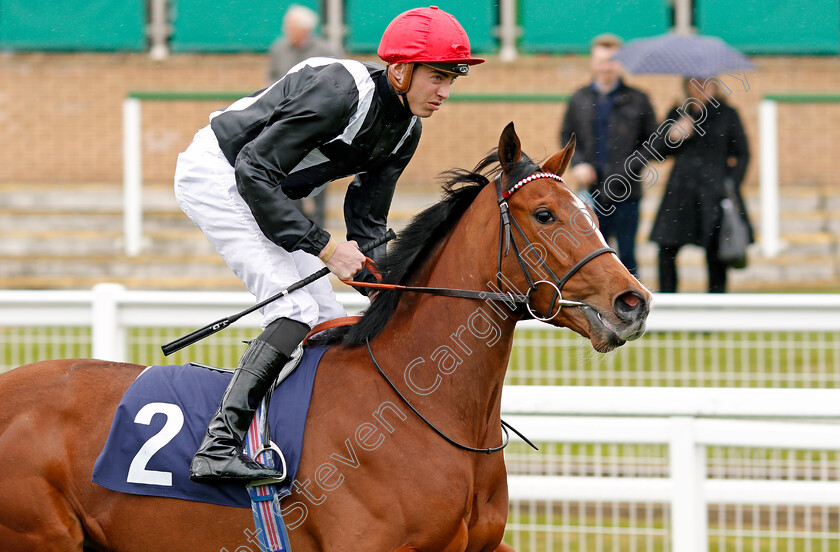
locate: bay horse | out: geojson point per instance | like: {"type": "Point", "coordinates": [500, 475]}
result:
{"type": "Point", "coordinates": [373, 475]}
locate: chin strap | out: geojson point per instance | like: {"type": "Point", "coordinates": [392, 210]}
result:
{"type": "Point", "coordinates": [402, 89]}
{"type": "Point", "coordinates": [406, 84]}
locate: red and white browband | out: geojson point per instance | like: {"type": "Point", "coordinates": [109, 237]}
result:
{"type": "Point", "coordinates": [536, 176]}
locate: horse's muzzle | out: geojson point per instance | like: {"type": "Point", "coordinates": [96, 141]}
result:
{"type": "Point", "coordinates": [606, 333]}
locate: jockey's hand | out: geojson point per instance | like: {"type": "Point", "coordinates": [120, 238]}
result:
{"type": "Point", "coordinates": [346, 260]}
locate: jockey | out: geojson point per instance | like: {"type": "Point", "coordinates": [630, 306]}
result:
{"type": "Point", "coordinates": [325, 119]}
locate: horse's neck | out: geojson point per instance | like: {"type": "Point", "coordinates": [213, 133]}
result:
{"type": "Point", "coordinates": [451, 354]}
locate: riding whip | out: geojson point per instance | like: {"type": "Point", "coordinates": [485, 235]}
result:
{"type": "Point", "coordinates": [220, 325]}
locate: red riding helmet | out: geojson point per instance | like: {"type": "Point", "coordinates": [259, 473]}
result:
{"type": "Point", "coordinates": [430, 36]}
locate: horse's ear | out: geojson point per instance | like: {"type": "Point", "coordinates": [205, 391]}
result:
{"type": "Point", "coordinates": [559, 162]}
{"type": "Point", "coordinates": [510, 148]}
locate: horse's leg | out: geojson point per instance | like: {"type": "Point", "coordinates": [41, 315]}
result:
{"type": "Point", "coordinates": [504, 547]}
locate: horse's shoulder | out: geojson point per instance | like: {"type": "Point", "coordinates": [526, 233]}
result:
{"type": "Point", "coordinates": [341, 366]}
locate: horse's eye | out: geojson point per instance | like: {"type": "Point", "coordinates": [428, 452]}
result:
{"type": "Point", "coordinates": [544, 216]}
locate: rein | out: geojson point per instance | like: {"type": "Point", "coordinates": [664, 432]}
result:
{"type": "Point", "coordinates": [506, 224]}
{"type": "Point", "coordinates": [511, 297]}
{"type": "Point", "coordinates": [490, 450]}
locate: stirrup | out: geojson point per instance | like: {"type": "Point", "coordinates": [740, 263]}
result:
{"type": "Point", "coordinates": [271, 446]}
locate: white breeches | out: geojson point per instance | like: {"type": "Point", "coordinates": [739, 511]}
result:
{"type": "Point", "coordinates": [205, 188]}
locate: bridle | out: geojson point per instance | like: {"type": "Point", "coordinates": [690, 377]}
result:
{"type": "Point", "coordinates": [507, 222]}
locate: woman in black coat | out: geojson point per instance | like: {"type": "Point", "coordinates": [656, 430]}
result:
{"type": "Point", "coordinates": [707, 152]}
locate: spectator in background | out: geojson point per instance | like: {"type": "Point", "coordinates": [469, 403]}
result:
{"type": "Point", "coordinates": [299, 42]}
{"type": "Point", "coordinates": [611, 121]}
{"type": "Point", "coordinates": [709, 148]}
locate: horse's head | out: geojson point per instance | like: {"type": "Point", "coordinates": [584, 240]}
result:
{"type": "Point", "coordinates": [556, 247]}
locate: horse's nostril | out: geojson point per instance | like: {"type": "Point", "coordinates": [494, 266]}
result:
{"type": "Point", "coordinates": [628, 305]}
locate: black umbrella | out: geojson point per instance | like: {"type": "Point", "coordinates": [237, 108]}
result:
{"type": "Point", "coordinates": [686, 55]}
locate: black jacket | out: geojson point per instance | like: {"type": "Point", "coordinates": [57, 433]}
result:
{"type": "Point", "coordinates": [690, 210]}
{"type": "Point", "coordinates": [631, 123]}
{"type": "Point", "coordinates": [327, 120]}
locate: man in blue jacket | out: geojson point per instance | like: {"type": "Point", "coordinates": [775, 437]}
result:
{"type": "Point", "coordinates": [325, 119]}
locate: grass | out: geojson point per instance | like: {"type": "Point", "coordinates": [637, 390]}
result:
{"type": "Point", "coordinates": [681, 359]}
{"type": "Point", "coordinates": [586, 527]}
{"type": "Point", "coordinates": [540, 357]}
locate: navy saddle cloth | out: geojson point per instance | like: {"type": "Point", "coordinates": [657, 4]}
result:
{"type": "Point", "coordinates": [161, 421]}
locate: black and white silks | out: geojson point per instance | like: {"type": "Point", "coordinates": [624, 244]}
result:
{"type": "Point", "coordinates": [324, 120]}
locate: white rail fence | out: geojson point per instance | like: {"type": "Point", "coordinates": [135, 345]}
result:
{"type": "Point", "coordinates": [686, 422]}
{"type": "Point", "coordinates": [110, 309]}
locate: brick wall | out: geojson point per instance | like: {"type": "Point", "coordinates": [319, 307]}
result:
{"type": "Point", "coordinates": [60, 114]}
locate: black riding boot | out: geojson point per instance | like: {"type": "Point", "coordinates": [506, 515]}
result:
{"type": "Point", "coordinates": [219, 457]}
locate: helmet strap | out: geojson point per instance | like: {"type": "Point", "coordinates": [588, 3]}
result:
{"type": "Point", "coordinates": [403, 87]}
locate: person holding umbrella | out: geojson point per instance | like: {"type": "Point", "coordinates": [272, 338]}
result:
{"type": "Point", "coordinates": [711, 154]}
{"type": "Point", "coordinates": [707, 140]}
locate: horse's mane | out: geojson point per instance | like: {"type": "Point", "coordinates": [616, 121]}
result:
{"type": "Point", "coordinates": [419, 238]}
